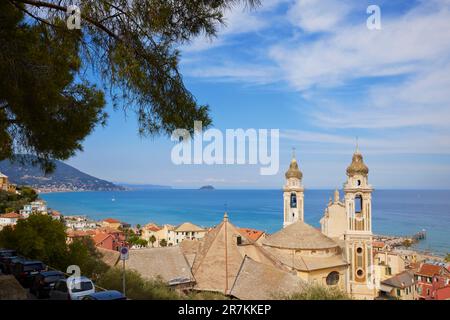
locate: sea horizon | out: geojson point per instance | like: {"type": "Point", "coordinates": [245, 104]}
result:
{"type": "Point", "coordinates": [395, 212]}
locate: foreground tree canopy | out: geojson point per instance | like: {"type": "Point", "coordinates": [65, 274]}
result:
{"type": "Point", "coordinates": [48, 101]}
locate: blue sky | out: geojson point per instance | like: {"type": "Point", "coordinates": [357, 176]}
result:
{"type": "Point", "coordinates": [312, 69]}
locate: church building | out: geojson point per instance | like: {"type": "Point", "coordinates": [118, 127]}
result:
{"type": "Point", "coordinates": [339, 254]}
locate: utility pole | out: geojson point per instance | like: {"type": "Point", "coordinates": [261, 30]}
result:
{"type": "Point", "coordinates": [123, 279]}
{"type": "Point", "coordinates": [123, 257]}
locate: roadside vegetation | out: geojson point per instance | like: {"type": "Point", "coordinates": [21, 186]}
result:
{"type": "Point", "coordinates": [11, 201]}
{"type": "Point", "coordinates": [42, 238]}
{"type": "Point", "coordinates": [316, 292]}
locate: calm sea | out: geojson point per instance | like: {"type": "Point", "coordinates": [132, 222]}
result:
{"type": "Point", "coordinates": [395, 212]}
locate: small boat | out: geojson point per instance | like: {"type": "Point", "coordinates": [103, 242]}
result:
{"type": "Point", "coordinates": [113, 199]}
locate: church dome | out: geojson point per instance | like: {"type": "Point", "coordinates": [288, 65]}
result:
{"type": "Point", "coordinates": [299, 235]}
{"type": "Point", "coordinates": [294, 171]}
{"type": "Point", "coordinates": [357, 166]}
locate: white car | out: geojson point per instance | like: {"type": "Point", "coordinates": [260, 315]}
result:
{"type": "Point", "coordinates": [72, 288]}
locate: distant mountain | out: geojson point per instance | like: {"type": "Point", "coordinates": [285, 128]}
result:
{"type": "Point", "coordinates": [64, 178]}
{"type": "Point", "coordinates": [131, 186]}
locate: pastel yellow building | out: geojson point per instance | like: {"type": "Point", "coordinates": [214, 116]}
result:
{"type": "Point", "coordinates": [4, 182]}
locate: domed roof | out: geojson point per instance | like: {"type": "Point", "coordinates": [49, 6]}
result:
{"type": "Point", "coordinates": [299, 235]}
{"type": "Point", "coordinates": [357, 166]}
{"type": "Point", "coordinates": [293, 171]}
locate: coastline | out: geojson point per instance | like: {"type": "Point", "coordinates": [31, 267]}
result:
{"type": "Point", "coordinates": [257, 209]}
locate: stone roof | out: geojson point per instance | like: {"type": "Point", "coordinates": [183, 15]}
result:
{"type": "Point", "coordinates": [299, 235]}
{"type": "Point", "coordinates": [401, 280]}
{"type": "Point", "coordinates": [257, 281]}
{"type": "Point", "coordinates": [219, 258]}
{"type": "Point", "coordinates": [3, 176]}
{"type": "Point", "coordinates": [188, 227]}
{"type": "Point", "coordinates": [169, 263]}
{"type": "Point", "coordinates": [110, 257]}
{"type": "Point", "coordinates": [301, 262]}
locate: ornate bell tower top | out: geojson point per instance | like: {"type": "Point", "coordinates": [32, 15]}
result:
{"type": "Point", "coordinates": [357, 167]}
{"type": "Point", "coordinates": [293, 171]}
{"type": "Point", "coordinates": [357, 172]}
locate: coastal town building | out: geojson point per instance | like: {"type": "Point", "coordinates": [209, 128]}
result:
{"type": "Point", "coordinates": [189, 231]}
{"type": "Point", "coordinates": [162, 234]}
{"type": "Point", "coordinates": [4, 183]}
{"type": "Point", "coordinates": [79, 223]}
{"type": "Point", "coordinates": [389, 263]}
{"type": "Point", "coordinates": [433, 282]}
{"type": "Point", "coordinates": [9, 219]}
{"type": "Point", "coordinates": [78, 234]}
{"type": "Point", "coordinates": [111, 223]}
{"type": "Point", "coordinates": [402, 286]}
{"type": "Point", "coordinates": [38, 206]}
{"type": "Point", "coordinates": [170, 235]}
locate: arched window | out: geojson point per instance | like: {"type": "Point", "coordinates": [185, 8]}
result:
{"type": "Point", "coordinates": [358, 203]}
{"type": "Point", "coordinates": [333, 278]}
{"type": "Point", "coordinates": [293, 200]}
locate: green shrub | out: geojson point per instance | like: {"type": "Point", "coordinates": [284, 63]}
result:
{"type": "Point", "coordinates": [137, 288]}
{"type": "Point", "coordinates": [316, 292]}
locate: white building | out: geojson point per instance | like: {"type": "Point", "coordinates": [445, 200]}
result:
{"type": "Point", "coordinates": [79, 223]}
{"type": "Point", "coordinates": [9, 219]}
{"type": "Point", "coordinates": [189, 231]}
{"type": "Point", "coordinates": [38, 206]}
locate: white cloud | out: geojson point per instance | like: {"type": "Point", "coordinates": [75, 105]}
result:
{"type": "Point", "coordinates": [317, 15]}
{"type": "Point", "coordinates": [352, 51]}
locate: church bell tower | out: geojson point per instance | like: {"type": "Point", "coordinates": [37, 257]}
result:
{"type": "Point", "coordinates": [293, 194]}
{"type": "Point", "coordinates": [358, 235]}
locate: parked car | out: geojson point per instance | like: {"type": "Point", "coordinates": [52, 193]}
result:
{"type": "Point", "coordinates": [44, 282]}
{"type": "Point", "coordinates": [72, 288]}
{"type": "Point", "coordinates": [5, 254]}
{"type": "Point", "coordinates": [25, 270]}
{"type": "Point", "coordinates": [105, 295]}
{"type": "Point", "coordinates": [7, 263]}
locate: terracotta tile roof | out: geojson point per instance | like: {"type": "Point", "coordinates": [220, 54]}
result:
{"type": "Point", "coordinates": [111, 220]}
{"type": "Point", "coordinates": [108, 230]}
{"type": "Point", "coordinates": [152, 228]}
{"type": "Point", "coordinates": [55, 213]}
{"type": "Point", "coordinates": [100, 237]}
{"type": "Point", "coordinates": [80, 233]}
{"type": "Point", "coordinates": [251, 234]}
{"type": "Point", "coordinates": [430, 270]}
{"type": "Point", "coordinates": [378, 244]}
{"type": "Point", "coordinates": [10, 215]}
